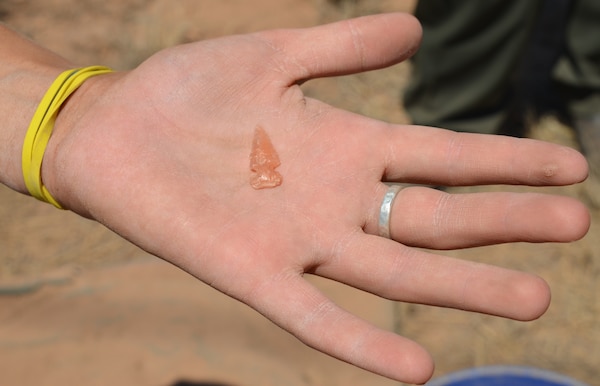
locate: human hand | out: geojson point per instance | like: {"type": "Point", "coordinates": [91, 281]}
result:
{"type": "Point", "coordinates": [161, 156]}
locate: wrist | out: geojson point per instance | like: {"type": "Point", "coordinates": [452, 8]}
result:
{"type": "Point", "coordinates": [71, 121]}
{"type": "Point", "coordinates": [42, 126]}
{"type": "Point", "coordinates": [21, 92]}
{"type": "Point", "coordinates": [26, 72]}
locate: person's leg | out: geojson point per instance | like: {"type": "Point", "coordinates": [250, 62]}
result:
{"type": "Point", "coordinates": [578, 71]}
{"type": "Point", "coordinates": [579, 67]}
{"type": "Point", "coordinates": [463, 74]}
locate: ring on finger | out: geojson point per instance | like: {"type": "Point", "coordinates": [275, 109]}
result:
{"type": "Point", "coordinates": [385, 210]}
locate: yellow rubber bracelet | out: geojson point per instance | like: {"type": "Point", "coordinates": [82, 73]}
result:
{"type": "Point", "coordinates": [41, 126]}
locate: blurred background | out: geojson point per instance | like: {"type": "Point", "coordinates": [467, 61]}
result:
{"type": "Point", "coordinates": [78, 305]}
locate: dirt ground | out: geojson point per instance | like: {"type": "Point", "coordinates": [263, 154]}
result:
{"type": "Point", "coordinates": [71, 307]}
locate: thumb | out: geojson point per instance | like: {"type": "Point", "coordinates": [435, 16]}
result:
{"type": "Point", "coordinates": [349, 46]}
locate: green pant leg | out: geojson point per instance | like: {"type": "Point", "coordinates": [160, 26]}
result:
{"type": "Point", "coordinates": [470, 52]}
{"type": "Point", "coordinates": [579, 68]}
{"type": "Point", "coordinates": [578, 71]}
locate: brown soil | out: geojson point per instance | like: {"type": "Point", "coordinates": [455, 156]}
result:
{"type": "Point", "coordinates": [71, 307]}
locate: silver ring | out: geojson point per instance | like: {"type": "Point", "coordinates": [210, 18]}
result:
{"type": "Point", "coordinates": [386, 210]}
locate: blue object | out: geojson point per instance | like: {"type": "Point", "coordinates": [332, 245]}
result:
{"type": "Point", "coordinates": [505, 376]}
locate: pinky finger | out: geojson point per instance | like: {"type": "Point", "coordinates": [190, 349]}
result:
{"type": "Point", "coordinates": [304, 311]}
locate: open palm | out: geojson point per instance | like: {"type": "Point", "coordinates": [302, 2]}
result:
{"type": "Point", "coordinates": [161, 156]}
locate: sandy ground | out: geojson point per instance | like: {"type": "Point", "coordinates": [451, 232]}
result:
{"type": "Point", "coordinates": [78, 305]}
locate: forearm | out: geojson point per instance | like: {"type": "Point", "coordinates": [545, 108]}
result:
{"type": "Point", "coordinates": [26, 72]}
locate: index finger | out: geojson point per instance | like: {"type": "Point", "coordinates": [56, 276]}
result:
{"type": "Point", "coordinates": [443, 157]}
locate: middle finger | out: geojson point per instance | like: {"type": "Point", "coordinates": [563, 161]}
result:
{"type": "Point", "coordinates": [429, 218]}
